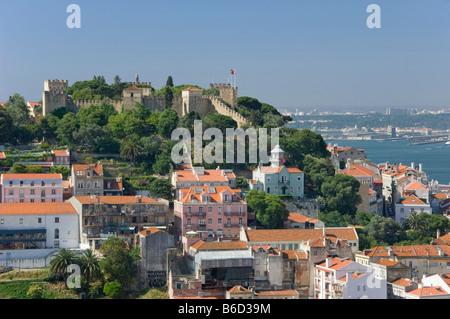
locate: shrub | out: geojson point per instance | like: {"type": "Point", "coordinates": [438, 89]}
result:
{"type": "Point", "coordinates": [35, 292]}
{"type": "Point", "coordinates": [114, 289]}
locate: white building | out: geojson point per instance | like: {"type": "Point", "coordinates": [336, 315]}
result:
{"type": "Point", "coordinates": [410, 204]}
{"type": "Point", "coordinates": [33, 230]}
{"type": "Point", "coordinates": [345, 279]}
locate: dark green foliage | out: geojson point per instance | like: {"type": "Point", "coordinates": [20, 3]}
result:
{"type": "Point", "coordinates": [114, 289]}
{"type": "Point", "coordinates": [270, 210]}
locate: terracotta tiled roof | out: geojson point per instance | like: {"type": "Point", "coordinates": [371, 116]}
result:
{"type": "Point", "coordinates": [405, 282]}
{"type": "Point", "coordinates": [413, 200]}
{"type": "Point", "coordinates": [219, 245]}
{"type": "Point", "coordinates": [354, 276]}
{"type": "Point", "coordinates": [238, 290]}
{"type": "Point", "coordinates": [294, 254]}
{"type": "Point", "coordinates": [409, 251]}
{"type": "Point", "coordinates": [32, 176]}
{"type": "Point", "coordinates": [299, 235]}
{"type": "Point", "coordinates": [150, 231]}
{"type": "Point", "coordinates": [2, 155]}
{"type": "Point", "coordinates": [132, 88]}
{"type": "Point", "coordinates": [387, 262]}
{"type": "Point", "coordinates": [276, 170]}
{"type": "Point", "coordinates": [115, 200]}
{"type": "Point", "coordinates": [209, 175]}
{"type": "Point", "coordinates": [336, 263]}
{"type": "Point", "coordinates": [277, 293]}
{"type": "Point", "coordinates": [440, 196]}
{"type": "Point", "coordinates": [415, 186]}
{"type": "Point", "coordinates": [357, 170]}
{"type": "Point", "coordinates": [198, 191]}
{"type": "Point", "coordinates": [96, 168]}
{"type": "Point", "coordinates": [64, 208]}
{"type": "Point", "coordinates": [192, 88]}
{"type": "Point", "coordinates": [428, 291]}
{"type": "Point", "coordinates": [61, 152]}
{"type": "Point", "coordinates": [443, 240]}
{"type": "Point", "coordinates": [299, 218]}
{"type": "Point", "coordinates": [320, 242]}
{"type": "Point", "coordinates": [266, 248]}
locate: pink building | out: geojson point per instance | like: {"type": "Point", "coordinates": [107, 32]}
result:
{"type": "Point", "coordinates": [31, 188]}
{"type": "Point", "coordinates": [210, 212]}
{"type": "Point", "coordinates": [61, 157]}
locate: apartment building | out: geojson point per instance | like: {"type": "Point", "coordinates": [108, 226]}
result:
{"type": "Point", "coordinates": [87, 179]}
{"type": "Point", "coordinates": [31, 188]}
{"type": "Point", "coordinates": [211, 211]}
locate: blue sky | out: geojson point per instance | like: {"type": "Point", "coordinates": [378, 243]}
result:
{"type": "Point", "coordinates": [303, 54]}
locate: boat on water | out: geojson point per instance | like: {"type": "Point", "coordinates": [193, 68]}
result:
{"type": "Point", "coordinates": [447, 143]}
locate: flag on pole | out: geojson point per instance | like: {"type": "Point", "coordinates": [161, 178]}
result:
{"type": "Point", "coordinates": [232, 71]}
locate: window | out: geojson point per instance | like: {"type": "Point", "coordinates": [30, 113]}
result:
{"type": "Point", "coordinates": [21, 183]}
{"type": "Point", "coordinates": [299, 178]}
{"type": "Point", "coordinates": [32, 183]}
{"type": "Point", "coordinates": [56, 220]}
{"type": "Point", "coordinates": [209, 209]}
{"type": "Point", "coordinates": [79, 173]}
{"type": "Point", "coordinates": [188, 222]}
{"type": "Point", "coordinates": [21, 192]}
{"type": "Point", "coordinates": [219, 221]}
{"type": "Point", "coordinates": [32, 200]}
{"type": "Point", "coordinates": [39, 220]}
{"type": "Point", "coordinates": [32, 192]}
{"type": "Point", "coordinates": [21, 221]}
{"type": "Point", "coordinates": [56, 233]}
{"type": "Point", "coordinates": [268, 189]}
{"type": "Point", "coordinates": [2, 221]}
{"type": "Point", "coordinates": [220, 210]}
{"type": "Point", "coordinates": [189, 210]}
{"type": "Point", "coordinates": [42, 183]}
{"type": "Point", "coordinates": [43, 193]}
{"type": "Point", "coordinates": [200, 210]}
{"type": "Point", "coordinates": [209, 221]}
{"type": "Point", "coordinates": [53, 191]}
{"type": "Point", "coordinates": [56, 244]}
{"type": "Point", "coordinates": [10, 192]}
{"type": "Point", "coordinates": [53, 183]}
{"type": "Point", "coordinates": [240, 221]}
{"type": "Point", "coordinates": [88, 185]}
{"type": "Point", "coordinates": [202, 221]}
{"type": "Point", "coordinates": [80, 185]}
{"type": "Point", "coordinates": [10, 183]}
{"type": "Point", "coordinates": [228, 221]}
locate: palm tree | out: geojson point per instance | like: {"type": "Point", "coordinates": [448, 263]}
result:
{"type": "Point", "coordinates": [415, 222]}
{"type": "Point", "coordinates": [60, 262]}
{"type": "Point", "coordinates": [129, 149]}
{"type": "Point", "coordinates": [90, 266]}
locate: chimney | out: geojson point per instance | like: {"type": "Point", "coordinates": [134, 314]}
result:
{"type": "Point", "coordinates": [438, 233]}
{"type": "Point", "coordinates": [328, 262]}
{"type": "Point", "coordinates": [412, 165]}
{"type": "Point", "coordinates": [324, 232]}
{"type": "Point", "coordinates": [420, 167]}
{"type": "Point", "coordinates": [348, 276]}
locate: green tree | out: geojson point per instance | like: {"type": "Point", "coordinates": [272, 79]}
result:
{"type": "Point", "coordinates": [219, 121]}
{"type": "Point", "coordinates": [167, 122]}
{"type": "Point", "coordinates": [270, 210]}
{"type": "Point", "coordinates": [59, 263]}
{"type": "Point", "coordinates": [66, 126]}
{"type": "Point", "coordinates": [64, 171]}
{"type": "Point", "coordinates": [47, 127]}
{"type": "Point", "coordinates": [383, 229]}
{"type": "Point", "coordinates": [316, 171]}
{"type": "Point", "coordinates": [415, 222]}
{"type": "Point", "coordinates": [35, 292]}
{"type": "Point", "coordinates": [161, 188]}
{"type": "Point", "coordinates": [335, 219]}
{"type": "Point", "coordinates": [340, 193]}
{"type": "Point", "coordinates": [163, 164]}
{"type": "Point", "coordinates": [6, 126]}
{"type": "Point", "coordinates": [90, 266]}
{"type": "Point", "coordinates": [129, 148]}
{"type": "Point", "coordinates": [19, 168]}
{"type": "Point", "coordinates": [117, 262]}
{"type": "Point", "coordinates": [169, 81]}
{"type": "Point", "coordinates": [18, 110]}
{"type": "Point", "coordinates": [241, 182]}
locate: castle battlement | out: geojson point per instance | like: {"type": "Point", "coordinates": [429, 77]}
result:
{"type": "Point", "coordinates": [221, 86]}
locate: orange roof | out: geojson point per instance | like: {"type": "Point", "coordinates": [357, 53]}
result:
{"type": "Point", "coordinates": [409, 251]}
{"type": "Point", "coordinates": [319, 242]}
{"type": "Point", "coordinates": [149, 231]}
{"type": "Point", "coordinates": [64, 208]}
{"type": "Point", "coordinates": [133, 87]}
{"type": "Point", "coordinates": [219, 245]}
{"type": "Point", "coordinates": [239, 290]}
{"type": "Point", "coordinates": [415, 186]}
{"type": "Point", "coordinates": [428, 291]}
{"type": "Point", "coordinates": [412, 200]}
{"type": "Point", "coordinates": [2, 155]}
{"type": "Point", "coordinates": [443, 240]}
{"type": "Point", "coordinates": [294, 254]}
{"type": "Point", "coordinates": [336, 263]}
{"type": "Point", "coordinates": [354, 276]}
{"type": "Point", "coordinates": [405, 282]}
{"type": "Point", "coordinates": [32, 176]}
{"type": "Point", "coordinates": [299, 218]}
{"type": "Point", "coordinates": [61, 152]}
{"type": "Point", "coordinates": [387, 262]}
{"type": "Point", "coordinates": [357, 170]}
{"type": "Point", "coordinates": [209, 175]}
{"type": "Point", "coordinates": [115, 200]}
{"type": "Point", "coordinates": [276, 170]}
{"type": "Point", "coordinates": [192, 88]}
{"type": "Point", "coordinates": [440, 196]}
{"type": "Point", "coordinates": [299, 235]}
{"type": "Point", "coordinates": [213, 191]}
{"type": "Point", "coordinates": [277, 293]}
{"type": "Point", "coordinates": [96, 168]}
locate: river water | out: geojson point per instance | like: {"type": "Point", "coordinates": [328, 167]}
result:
{"type": "Point", "coordinates": [435, 158]}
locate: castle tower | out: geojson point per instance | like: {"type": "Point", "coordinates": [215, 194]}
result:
{"type": "Point", "coordinates": [228, 93]}
{"type": "Point", "coordinates": [54, 95]}
{"type": "Point", "coordinates": [277, 158]}
{"type": "Point", "coordinates": [131, 95]}
{"type": "Point", "coordinates": [192, 100]}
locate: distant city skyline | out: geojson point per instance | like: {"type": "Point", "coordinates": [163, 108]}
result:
{"type": "Point", "coordinates": [290, 54]}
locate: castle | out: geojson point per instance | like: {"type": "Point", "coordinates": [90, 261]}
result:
{"type": "Point", "coordinates": [192, 99]}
